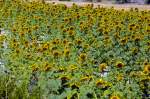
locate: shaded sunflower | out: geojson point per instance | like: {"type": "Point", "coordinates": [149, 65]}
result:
{"type": "Point", "coordinates": [74, 86]}
{"type": "Point", "coordinates": [64, 79]}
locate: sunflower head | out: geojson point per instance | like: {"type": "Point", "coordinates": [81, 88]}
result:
{"type": "Point", "coordinates": [119, 64]}
{"type": "Point", "coordinates": [47, 67]}
{"type": "Point", "coordinates": [66, 52]}
{"type": "Point", "coordinates": [124, 40]}
{"type": "Point", "coordinates": [114, 97]}
{"type": "Point", "coordinates": [100, 83]}
{"type": "Point", "coordinates": [102, 66]}
{"type": "Point", "coordinates": [147, 69]}
{"type": "Point", "coordinates": [56, 54]}
{"type": "Point", "coordinates": [82, 56]}
{"type": "Point", "coordinates": [35, 68]}
{"type": "Point", "coordinates": [78, 41]}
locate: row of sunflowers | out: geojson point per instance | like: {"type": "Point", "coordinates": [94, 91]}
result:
{"type": "Point", "coordinates": [53, 51]}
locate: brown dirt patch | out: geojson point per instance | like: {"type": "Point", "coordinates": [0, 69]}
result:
{"type": "Point", "coordinates": [116, 6]}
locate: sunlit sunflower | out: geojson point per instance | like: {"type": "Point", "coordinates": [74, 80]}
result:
{"type": "Point", "coordinates": [35, 67]}
{"type": "Point", "coordinates": [102, 84]}
{"type": "Point", "coordinates": [147, 69]}
{"type": "Point", "coordinates": [102, 66]}
{"type": "Point", "coordinates": [66, 52]}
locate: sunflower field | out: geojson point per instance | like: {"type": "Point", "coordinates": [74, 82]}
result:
{"type": "Point", "coordinates": [51, 51]}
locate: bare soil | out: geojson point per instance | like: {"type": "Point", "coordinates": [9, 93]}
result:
{"type": "Point", "coordinates": [103, 4]}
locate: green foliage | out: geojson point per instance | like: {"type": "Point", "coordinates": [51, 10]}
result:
{"type": "Point", "coordinates": [57, 52]}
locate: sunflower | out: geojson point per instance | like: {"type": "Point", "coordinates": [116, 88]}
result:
{"type": "Point", "coordinates": [123, 41]}
{"type": "Point", "coordinates": [72, 67]}
{"type": "Point", "coordinates": [64, 79]}
{"type": "Point", "coordinates": [74, 86]}
{"type": "Point", "coordinates": [101, 83]}
{"type": "Point", "coordinates": [119, 64]}
{"type": "Point", "coordinates": [66, 52]}
{"type": "Point", "coordinates": [119, 77]}
{"type": "Point", "coordinates": [102, 66]}
{"type": "Point", "coordinates": [114, 97]}
{"type": "Point", "coordinates": [64, 42]}
{"type": "Point", "coordinates": [71, 33]}
{"type": "Point", "coordinates": [86, 78]}
{"type": "Point", "coordinates": [83, 57]}
{"type": "Point", "coordinates": [45, 46]}
{"type": "Point", "coordinates": [78, 41]}
{"type": "Point", "coordinates": [47, 67]}
{"type": "Point", "coordinates": [147, 69]}
{"type": "Point", "coordinates": [35, 68]}
{"type": "Point", "coordinates": [56, 53]}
